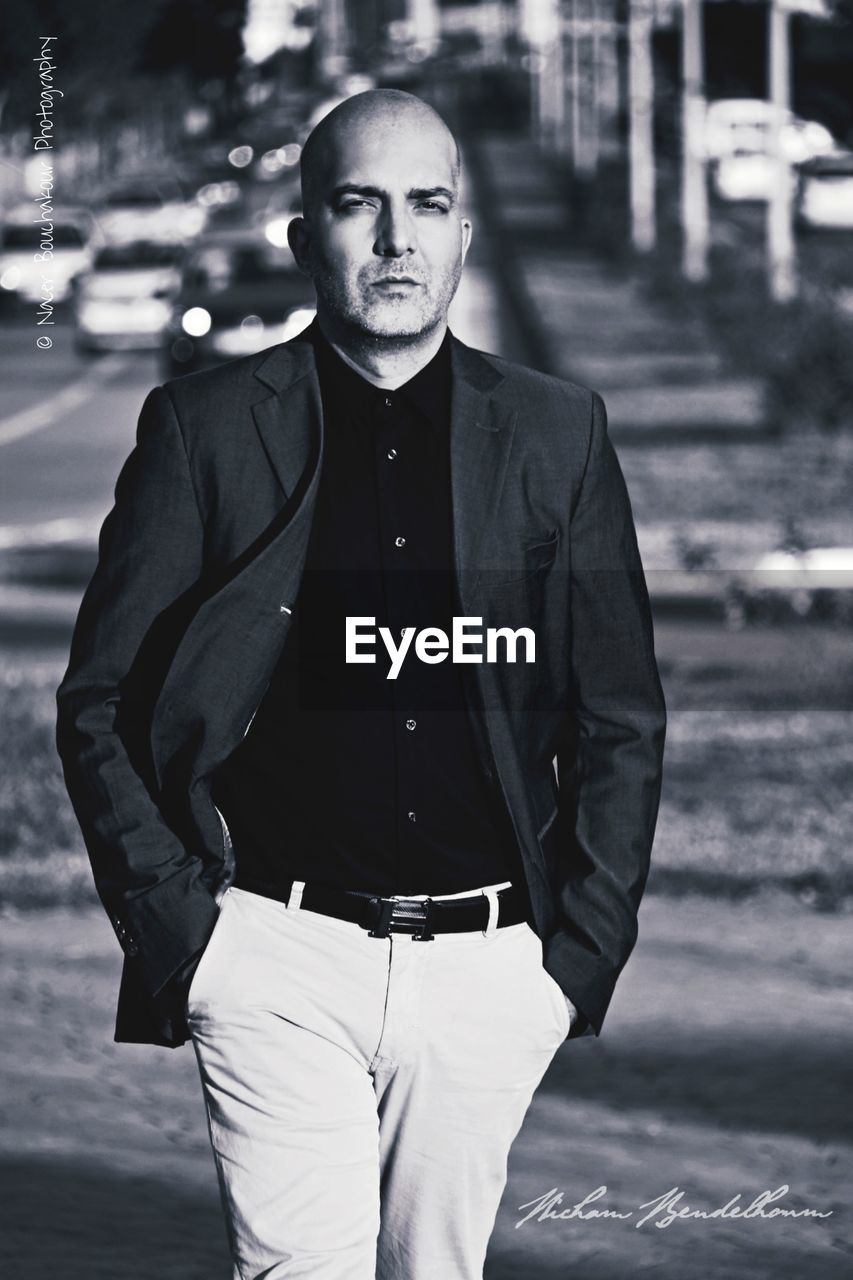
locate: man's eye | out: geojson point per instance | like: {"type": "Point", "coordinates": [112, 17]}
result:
{"type": "Point", "coordinates": [433, 204]}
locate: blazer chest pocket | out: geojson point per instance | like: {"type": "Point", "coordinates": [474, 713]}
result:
{"type": "Point", "coordinates": [530, 559]}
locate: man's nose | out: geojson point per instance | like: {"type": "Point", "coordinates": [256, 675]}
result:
{"type": "Point", "coordinates": [396, 234]}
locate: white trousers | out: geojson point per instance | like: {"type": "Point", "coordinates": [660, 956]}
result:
{"type": "Point", "coordinates": [363, 1093]}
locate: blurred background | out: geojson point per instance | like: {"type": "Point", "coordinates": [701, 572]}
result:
{"type": "Point", "coordinates": [662, 196]}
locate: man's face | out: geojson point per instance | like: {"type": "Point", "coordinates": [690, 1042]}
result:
{"type": "Point", "coordinates": [385, 243]}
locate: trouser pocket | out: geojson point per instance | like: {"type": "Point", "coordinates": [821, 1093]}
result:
{"type": "Point", "coordinates": [204, 979]}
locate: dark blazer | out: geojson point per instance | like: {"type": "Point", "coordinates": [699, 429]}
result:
{"type": "Point", "coordinates": [197, 581]}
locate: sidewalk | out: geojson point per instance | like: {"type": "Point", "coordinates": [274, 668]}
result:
{"type": "Point", "coordinates": [592, 323]}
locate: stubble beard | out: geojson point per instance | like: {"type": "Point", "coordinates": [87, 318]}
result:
{"type": "Point", "coordinates": [392, 323]}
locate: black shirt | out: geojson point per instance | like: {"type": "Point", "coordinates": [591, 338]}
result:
{"type": "Point", "coordinates": [346, 777]}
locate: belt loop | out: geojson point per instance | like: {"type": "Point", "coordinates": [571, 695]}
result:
{"type": "Point", "coordinates": [491, 896]}
{"type": "Point", "coordinates": [294, 899]}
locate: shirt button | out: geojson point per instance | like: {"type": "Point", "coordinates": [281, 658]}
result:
{"type": "Point", "coordinates": [410, 724]}
{"type": "Point", "coordinates": [391, 455]}
{"type": "Point", "coordinates": [387, 402]}
{"type": "Point", "coordinates": [399, 542]}
{"type": "Point", "coordinates": [411, 815]}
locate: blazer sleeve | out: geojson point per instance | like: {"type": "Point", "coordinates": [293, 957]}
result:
{"type": "Point", "coordinates": [610, 760]}
{"type": "Point", "coordinates": [149, 556]}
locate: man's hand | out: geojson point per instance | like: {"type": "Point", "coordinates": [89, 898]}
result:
{"type": "Point", "coordinates": [578, 1024]}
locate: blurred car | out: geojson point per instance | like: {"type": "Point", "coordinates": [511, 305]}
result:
{"type": "Point", "coordinates": [748, 175]}
{"type": "Point", "coordinates": [278, 163]}
{"type": "Point", "coordinates": [743, 125]}
{"type": "Point", "coordinates": [814, 583]}
{"type": "Point", "coordinates": [125, 300]}
{"type": "Point", "coordinates": [238, 295]}
{"type": "Point", "coordinates": [266, 145]}
{"type": "Point", "coordinates": [215, 186]}
{"type": "Point", "coordinates": [155, 208]}
{"type": "Point", "coordinates": [825, 195]}
{"type": "Point", "coordinates": [738, 141]}
{"type": "Point", "coordinates": [21, 239]}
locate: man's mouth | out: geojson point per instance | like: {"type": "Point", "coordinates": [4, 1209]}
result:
{"type": "Point", "coordinates": [394, 281]}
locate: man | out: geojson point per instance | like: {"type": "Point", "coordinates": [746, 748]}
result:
{"type": "Point", "coordinates": [263, 710]}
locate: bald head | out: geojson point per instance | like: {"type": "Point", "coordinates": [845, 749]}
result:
{"type": "Point", "coordinates": [381, 235]}
{"type": "Point", "coordinates": [383, 113]}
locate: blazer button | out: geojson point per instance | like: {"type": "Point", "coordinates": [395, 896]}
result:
{"type": "Point", "coordinates": [131, 949]}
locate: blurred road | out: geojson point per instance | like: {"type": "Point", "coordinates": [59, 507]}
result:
{"type": "Point", "coordinates": [107, 1143]}
{"type": "Point", "coordinates": [67, 425]}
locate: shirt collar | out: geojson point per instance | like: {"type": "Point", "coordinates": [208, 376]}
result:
{"type": "Point", "coordinates": [428, 390]}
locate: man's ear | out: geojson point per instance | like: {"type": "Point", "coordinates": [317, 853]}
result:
{"type": "Point", "coordinates": [467, 230]}
{"type": "Point", "coordinates": [299, 239]}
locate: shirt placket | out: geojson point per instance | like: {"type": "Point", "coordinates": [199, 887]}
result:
{"type": "Point", "coordinates": [398, 558]}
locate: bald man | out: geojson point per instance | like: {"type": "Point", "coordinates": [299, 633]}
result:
{"type": "Point", "coordinates": [364, 730]}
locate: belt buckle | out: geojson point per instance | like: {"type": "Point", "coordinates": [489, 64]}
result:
{"type": "Point", "coordinates": [397, 916]}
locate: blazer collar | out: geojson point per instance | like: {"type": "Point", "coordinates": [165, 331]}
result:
{"type": "Point", "coordinates": [285, 364]}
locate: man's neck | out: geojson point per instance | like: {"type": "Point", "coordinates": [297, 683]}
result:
{"type": "Point", "coordinates": [385, 362]}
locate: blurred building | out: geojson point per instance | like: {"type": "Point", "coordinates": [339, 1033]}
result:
{"type": "Point", "coordinates": [277, 24]}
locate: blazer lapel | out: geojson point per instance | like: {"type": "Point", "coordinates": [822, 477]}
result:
{"type": "Point", "coordinates": [289, 422]}
{"type": "Point", "coordinates": [256, 600]}
{"type": "Point", "coordinates": [482, 426]}
{"type": "Point", "coordinates": [481, 433]}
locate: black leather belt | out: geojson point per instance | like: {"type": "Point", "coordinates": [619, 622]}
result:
{"type": "Point", "coordinates": [381, 916]}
